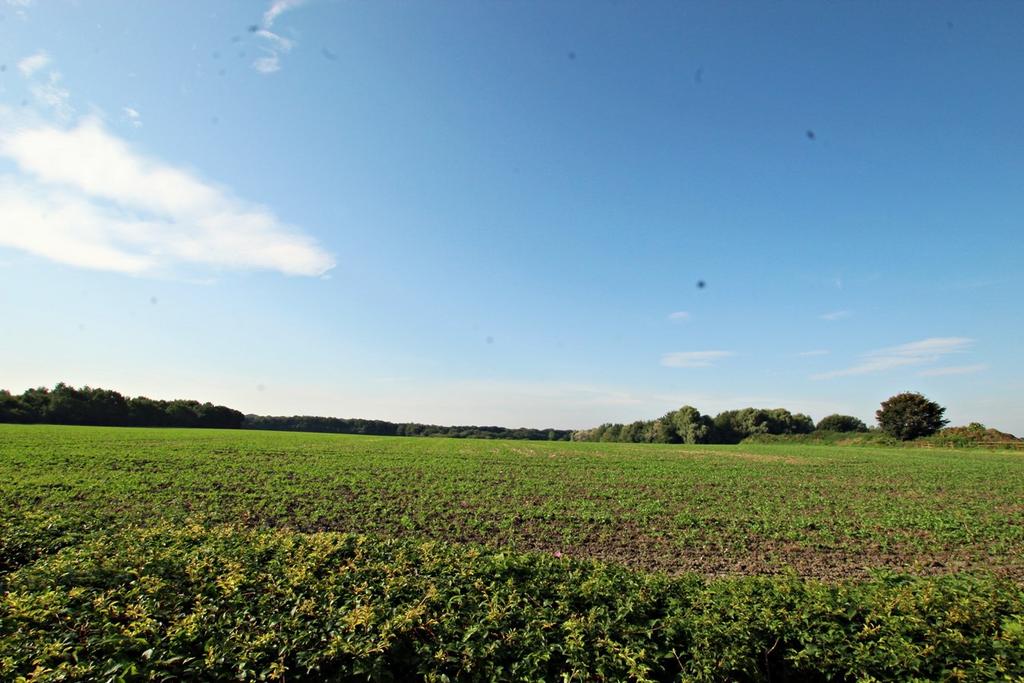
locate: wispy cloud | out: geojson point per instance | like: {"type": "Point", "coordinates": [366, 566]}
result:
{"type": "Point", "coordinates": [275, 44]}
{"type": "Point", "coordinates": [953, 370]}
{"type": "Point", "coordinates": [679, 316]}
{"type": "Point", "coordinates": [835, 315]}
{"type": "Point", "coordinates": [33, 63]}
{"type": "Point", "coordinates": [52, 96]}
{"type": "Point", "coordinates": [277, 8]}
{"type": "Point", "coordinates": [21, 7]}
{"type": "Point", "coordinates": [85, 198]}
{"type": "Point", "coordinates": [921, 352]}
{"type": "Point", "coordinates": [814, 352]}
{"type": "Point", "coordinates": [267, 65]}
{"type": "Point", "coordinates": [133, 116]}
{"type": "Point", "coordinates": [48, 92]}
{"type": "Point", "coordinates": [693, 359]}
{"type": "Point", "coordinates": [279, 43]}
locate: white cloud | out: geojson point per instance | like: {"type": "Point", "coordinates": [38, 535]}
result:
{"type": "Point", "coordinates": [33, 63]}
{"type": "Point", "coordinates": [20, 7]}
{"type": "Point", "coordinates": [133, 116]}
{"type": "Point", "coordinates": [66, 229]}
{"type": "Point", "coordinates": [87, 199]}
{"type": "Point", "coordinates": [693, 359]}
{"type": "Point", "coordinates": [267, 65]}
{"type": "Point", "coordinates": [48, 93]}
{"type": "Point", "coordinates": [835, 315]}
{"type": "Point", "coordinates": [276, 45]}
{"type": "Point", "coordinates": [679, 316]}
{"type": "Point", "coordinates": [51, 95]}
{"type": "Point", "coordinates": [953, 370]}
{"type": "Point", "coordinates": [277, 8]}
{"type": "Point", "coordinates": [921, 352]}
{"type": "Point", "coordinates": [814, 352]}
{"type": "Point", "coordinates": [277, 42]}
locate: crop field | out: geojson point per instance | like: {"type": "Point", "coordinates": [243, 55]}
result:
{"type": "Point", "coordinates": [160, 553]}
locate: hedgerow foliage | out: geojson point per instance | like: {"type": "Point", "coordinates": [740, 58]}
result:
{"type": "Point", "coordinates": [202, 603]}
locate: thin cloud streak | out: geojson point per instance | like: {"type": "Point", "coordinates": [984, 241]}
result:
{"type": "Point", "coordinates": [835, 315]}
{"type": "Point", "coordinates": [921, 352]}
{"type": "Point", "coordinates": [693, 359]}
{"type": "Point", "coordinates": [814, 352]}
{"type": "Point", "coordinates": [679, 316]}
{"type": "Point", "coordinates": [953, 370]}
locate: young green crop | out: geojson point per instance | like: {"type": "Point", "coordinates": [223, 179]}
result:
{"type": "Point", "coordinates": [146, 554]}
{"type": "Point", "coordinates": [821, 511]}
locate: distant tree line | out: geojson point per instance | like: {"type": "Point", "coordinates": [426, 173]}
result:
{"type": "Point", "coordinates": [65, 404]}
{"type": "Point", "coordinates": [339, 425]}
{"type": "Point", "coordinates": [904, 416]}
{"type": "Point", "coordinates": [92, 406]}
{"type": "Point", "coordinates": [688, 425]}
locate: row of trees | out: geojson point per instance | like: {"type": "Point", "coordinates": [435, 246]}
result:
{"type": "Point", "coordinates": [688, 425]}
{"type": "Point", "coordinates": [88, 406]}
{"type": "Point", "coordinates": [339, 425]}
{"type": "Point", "coordinates": [905, 416]}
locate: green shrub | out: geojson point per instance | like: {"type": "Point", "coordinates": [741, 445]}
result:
{"type": "Point", "coordinates": [841, 423]}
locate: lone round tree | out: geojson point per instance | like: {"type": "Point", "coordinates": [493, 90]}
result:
{"type": "Point", "coordinates": [910, 415]}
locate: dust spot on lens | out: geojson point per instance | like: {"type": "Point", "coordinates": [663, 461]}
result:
{"type": "Point", "coordinates": [153, 300]}
{"type": "Point", "coordinates": [810, 135]}
{"type": "Point", "coordinates": [701, 284]}
{"type": "Point", "coordinates": [489, 339]}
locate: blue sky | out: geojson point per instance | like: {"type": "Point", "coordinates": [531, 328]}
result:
{"type": "Point", "coordinates": [498, 213]}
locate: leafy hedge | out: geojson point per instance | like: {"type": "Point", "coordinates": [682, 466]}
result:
{"type": "Point", "coordinates": [973, 435]}
{"type": "Point", "coordinates": [213, 603]}
{"type": "Point", "coordinates": [826, 438]}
